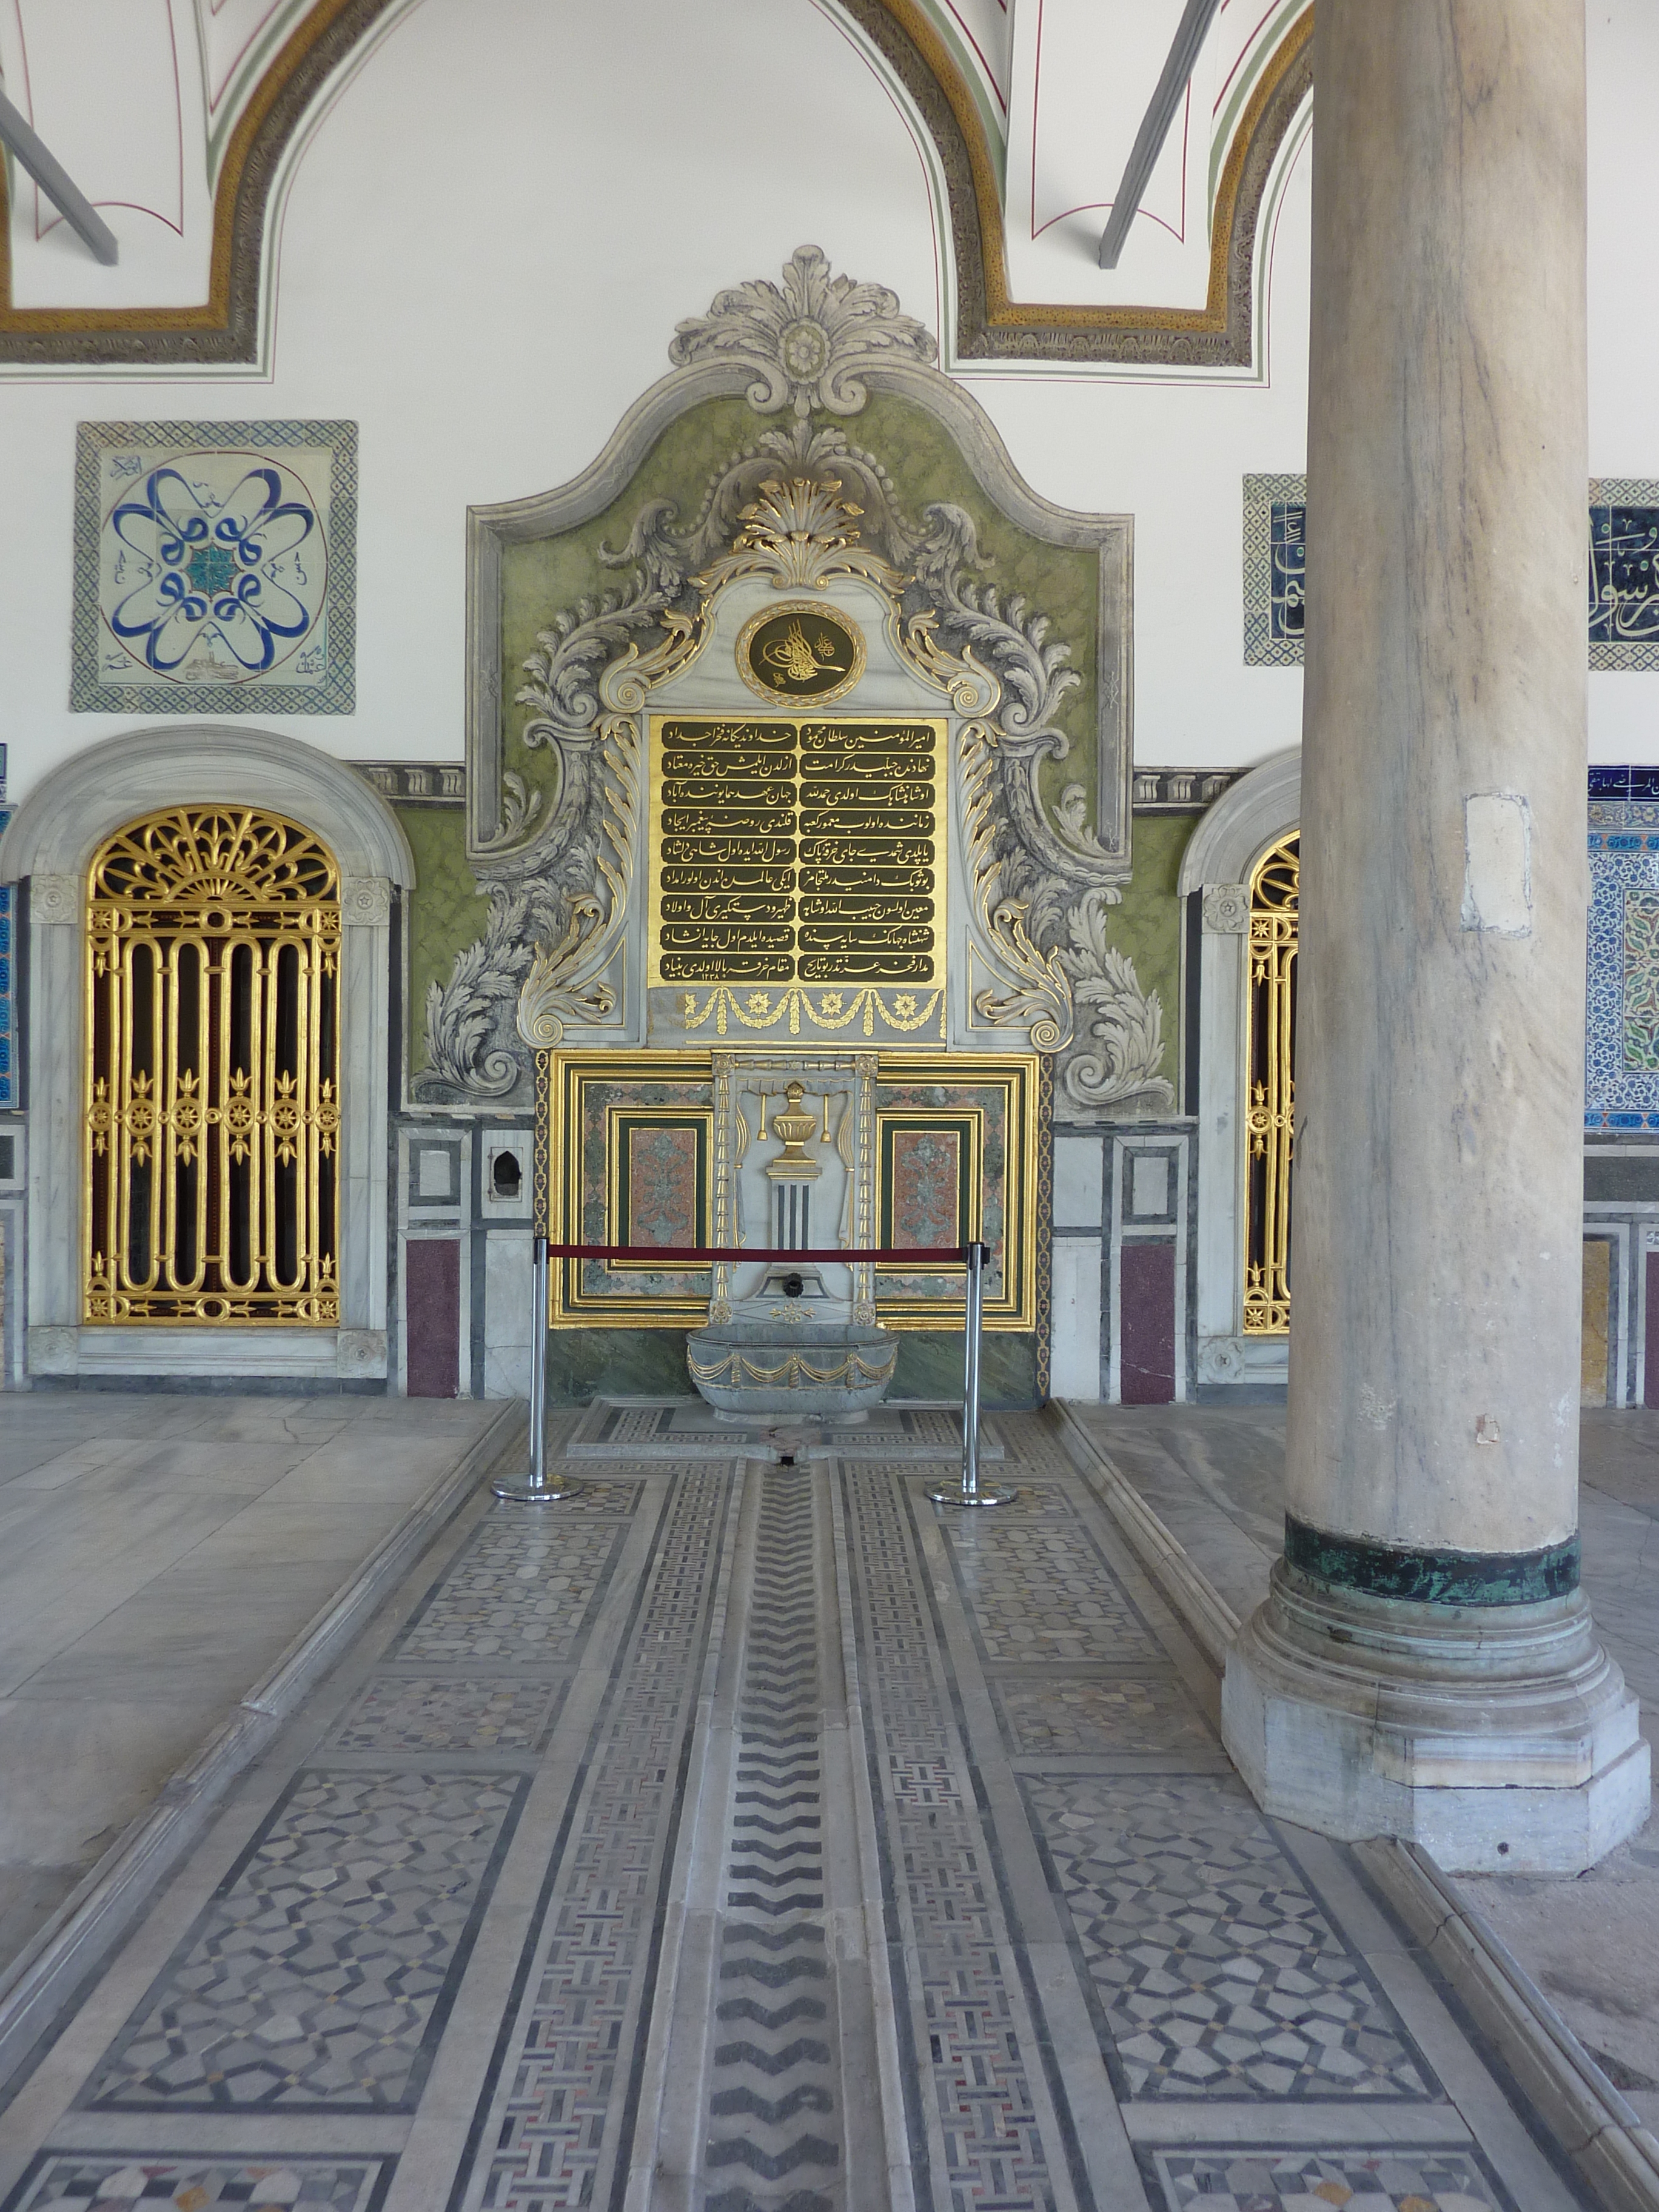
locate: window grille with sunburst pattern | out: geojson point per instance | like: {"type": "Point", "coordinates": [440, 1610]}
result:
{"type": "Point", "coordinates": [213, 1109]}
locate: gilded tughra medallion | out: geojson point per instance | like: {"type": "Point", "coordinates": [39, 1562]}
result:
{"type": "Point", "coordinates": [803, 651]}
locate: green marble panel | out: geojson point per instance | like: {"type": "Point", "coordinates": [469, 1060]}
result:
{"type": "Point", "coordinates": [930, 1366]}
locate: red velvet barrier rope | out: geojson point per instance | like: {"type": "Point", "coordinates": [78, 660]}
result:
{"type": "Point", "coordinates": [932, 1255]}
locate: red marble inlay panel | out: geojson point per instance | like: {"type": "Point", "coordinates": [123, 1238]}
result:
{"type": "Point", "coordinates": [926, 1186]}
{"type": "Point", "coordinates": [662, 1186]}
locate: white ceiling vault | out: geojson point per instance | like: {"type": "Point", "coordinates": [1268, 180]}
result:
{"type": "Point", "coordinates": [182, 119]}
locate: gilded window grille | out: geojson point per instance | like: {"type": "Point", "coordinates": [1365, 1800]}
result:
{"type": "Point", "coordinates": [1270, 1052]}
{"type": "Point", "coordinates": [213, 1109]}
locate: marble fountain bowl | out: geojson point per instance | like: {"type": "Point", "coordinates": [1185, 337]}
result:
{"type": "Point", "coordinates": [832, 1370]}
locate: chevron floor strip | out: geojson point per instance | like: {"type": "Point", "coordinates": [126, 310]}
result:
{"type": "Point", "coordinates": [776, 2112]}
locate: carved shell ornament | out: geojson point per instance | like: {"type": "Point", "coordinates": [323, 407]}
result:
{"type": "Point", "coordinates": [802, 506]}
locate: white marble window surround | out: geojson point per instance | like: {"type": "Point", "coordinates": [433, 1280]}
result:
{"type": "Point", "coordinates": [516, 1144]}
{"type": "Point", "coordinates": [50, 843]}
{"type": "Point", "coordinates": [1243, 824]}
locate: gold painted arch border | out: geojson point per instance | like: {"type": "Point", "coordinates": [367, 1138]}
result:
{"type": "Point", "coordinates": [989, 324]}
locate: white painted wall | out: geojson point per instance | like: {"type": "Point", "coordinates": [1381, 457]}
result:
{"type": "Point", "coordinates": [494, 229]}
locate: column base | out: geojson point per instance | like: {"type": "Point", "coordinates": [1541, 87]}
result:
{"type": "Point", "coordinates": [1501, 1738]}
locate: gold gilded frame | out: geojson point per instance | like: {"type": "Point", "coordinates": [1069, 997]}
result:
{"type": "Point", "coordinates": [562, 1078]}
{"type": "Point", "coordinates": [565, 1076]}
{"type": "Point", "coordinates": [792, 989]}
{"type": "Point", "coordinates": [1013, 1306]}
{"type": "Point", "coordinates": [776, 699]}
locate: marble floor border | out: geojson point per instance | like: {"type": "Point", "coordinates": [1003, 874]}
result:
{"type": "Point", "coordinates": [1590, 2134]}
{"type": "Point", "coordinates": [98, 1912]}
{"type": "Point", "coordinates": [580, 2063]}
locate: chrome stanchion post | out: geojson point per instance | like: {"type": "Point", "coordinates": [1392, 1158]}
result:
{"type": "Point", "coordinates": [970, 1491]}
{"type": "Point", "coordinates": [535, 1489]}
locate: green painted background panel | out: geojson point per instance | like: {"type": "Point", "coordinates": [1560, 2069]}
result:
{"type": "Point", "coordinates": [541, 577]}
{"type": "Point", "coordinates": [1061, 581]}
{"type": "Point", "coordinates": [443, 913]}
{"type": "Point", "coordinates": [1147, 926]}
{"type": "Point", "coordinates": [546, 574]}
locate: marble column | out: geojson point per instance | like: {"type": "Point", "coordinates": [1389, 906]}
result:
{"type": "Point", "coordinates": [1424, 1665]}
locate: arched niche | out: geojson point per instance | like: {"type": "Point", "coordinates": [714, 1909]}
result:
{"type": "Point", "coordinates": [47, 848]}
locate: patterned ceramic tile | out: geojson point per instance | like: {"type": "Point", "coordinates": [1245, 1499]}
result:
{"type": "Point", "coordinates": [1621, 1042]}
{"type": "Point", "coordinates": [1088, 1720]}
{"type": "Point", "coordinates": [427, 1713]}
{"type": "Point", "coordinates": [517, 1592]}
{"type": "Point", "coordinates": [73, 2181]}
{"type": "Point", "coordinates": [215, 568]}
{"type": "Point", "coordinates": [318, 1978]}
{"type": "Point", "coordinates": [1361, 2180]}
{"type": "Point", "coordinates": [1275, 515]}
{"type": "Point", "coordinates": [1623, 612]}
{"type": "Point", "coordinates": [1215, 1972]}
{"type": "Point", "coordinates": [1624, 587]}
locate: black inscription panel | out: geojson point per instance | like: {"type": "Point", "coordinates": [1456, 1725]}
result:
{"type": "Point", "coordinates": [797, 851]}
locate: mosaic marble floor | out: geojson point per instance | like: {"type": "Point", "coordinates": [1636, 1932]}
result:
{"type": "Point", "coordinates": [744, 1836]}
{"type": "Point", "coordinates": [1215, 1477]}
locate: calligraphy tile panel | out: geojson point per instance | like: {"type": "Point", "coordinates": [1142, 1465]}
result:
{"type": "Point", "coordinates": [1623, 614]}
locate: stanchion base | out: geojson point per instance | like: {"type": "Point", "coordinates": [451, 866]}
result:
{"type": "Point", "coordinates": [521, 1490]}
{"type": "Point", "coordinates": [987, 1494]}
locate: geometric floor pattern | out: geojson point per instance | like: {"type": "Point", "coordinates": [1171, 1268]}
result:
{"type": "Point", "coordinates": [738, 1837]}
{"type": "Point", "coordinates": [312, 1981]}
{"type": "Point", "coordinates": [1217, 1973]}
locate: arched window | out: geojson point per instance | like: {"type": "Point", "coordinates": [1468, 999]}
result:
{"type": "Point", "coordinates": [213, 1110]}
{"type": "Point", "coordinates": [1270, 1046]}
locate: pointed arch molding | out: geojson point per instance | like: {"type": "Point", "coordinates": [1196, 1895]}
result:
{"type": "Point", "coordinates": [989, 325]}
{"type": "Point", "coordinates": [51, 841]}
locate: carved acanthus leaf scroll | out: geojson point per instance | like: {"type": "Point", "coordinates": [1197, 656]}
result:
{"type": "Point", "coordinates": [1116, 1058]}
{"type": "Point", "coordinates": [1040, 994]}
{"type": "Point", "coordinates": [565, 982]}
{"type": "Point", "coordinates": [545, 947]}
